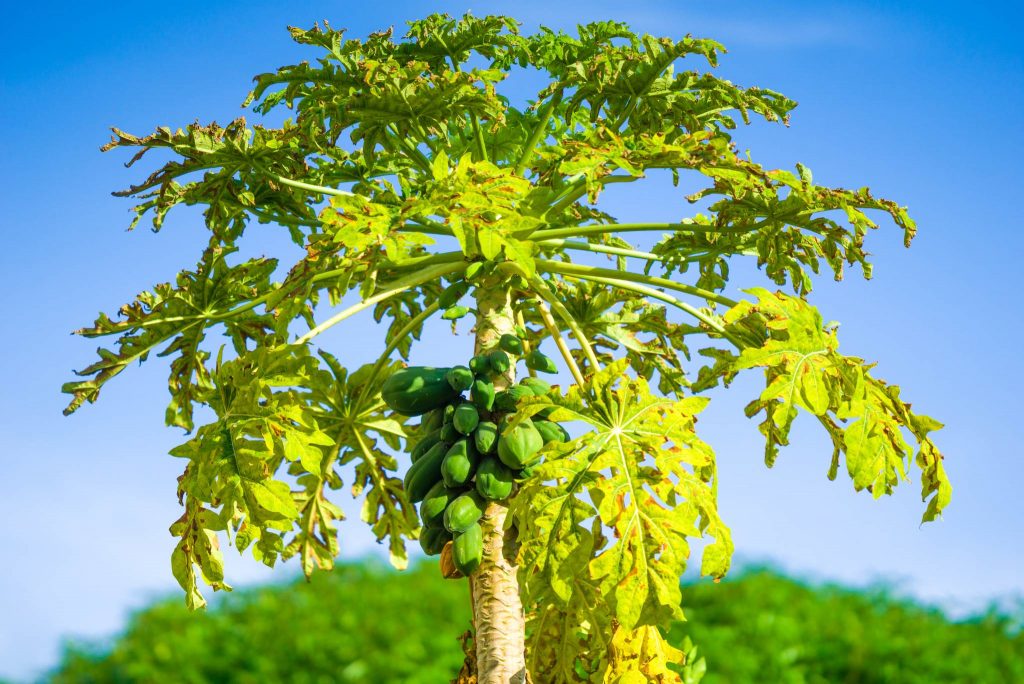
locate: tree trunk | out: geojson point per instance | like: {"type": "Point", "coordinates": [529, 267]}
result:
{"type": "Point", "coordinates": [497, 610]}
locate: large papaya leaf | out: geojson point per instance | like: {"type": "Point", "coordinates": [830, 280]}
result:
{"type": "Point", "coordinates": [180, 314]}
{"type": "Point", "coordinates": [785, 220]}
{"type": "Point", "coordinates": [865, 416]}
{"type": "Point", "coordinates": [229, 482]}
{"type": "Point", "coordinates": [349, 407]}
{"type": "Point", "coordinates": [641, 474]}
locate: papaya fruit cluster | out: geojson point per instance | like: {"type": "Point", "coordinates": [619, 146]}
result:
{"type": "Point", "coordinates": [464, 456]}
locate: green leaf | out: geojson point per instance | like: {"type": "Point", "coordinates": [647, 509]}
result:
{"type": "Point", "coordinates": [352, 412]}
{"type": "Point", "coordinates": [648, 478]}
{"type": "Point", "coordinates": [179, 315]}
{"type": "Point", "coordinates": [273, 497]}
{"type": "Point", "coordinates": [865, 417]}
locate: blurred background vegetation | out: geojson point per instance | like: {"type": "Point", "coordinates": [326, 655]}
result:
{"type": "Point", "coordinates": [366, 623]}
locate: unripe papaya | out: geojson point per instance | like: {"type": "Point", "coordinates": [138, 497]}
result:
{"type": "Point", "coordinates": [499, 361]}
{"type": "Point", "coordinates": [454, 313]}
{"type": "Point", "coordinates": [482, 394]}
{"type": "Point", "coordinates": [452, 294]}
{"type": "Point", "coordinates": [424, 473]}
{"type": "Point", "coordinates": [468, 549]}
{"type": "Point", "coordinates": [551, 431]}
{"type": "Point", "coordinates": [434, 503]}
{"type": "Point", "coordinates": [480, 365]}
{"type": "Point", "coordinates": [464, 511]}
{"type": "Point", "coordinates": [512, 344]}
{"type": "Point", "coordinates": [415, 390]}
{"type": "Point", "coordinates": [474, 270]}
{"type": "Point", "coordinates": [433, 539]}
{"type": "Point", "coordinates": [535, 360]}
{"type": "Point", "coordinates": [448, 433]}
{"type": "Point", "coordinates": [460, 378]}
{"type": "Point", "coordinates": [459, 463]}
{"type": "Point", "coordinates": [466, 418]}
{"type": "Point", "coordinates": [485, 437]}
{"type": "Point", "coordinates": [538, 386]}
{"type": "Point", "coordinates": [432, 420]}
{"type": "Point", "coordinates": [506, 400]}
{"type": "Point", "coordinates": [494, 479]}
{"type": "Point", "coordinates": [424, 445]}
{"type": "Point", "coordinates": [517, 446]}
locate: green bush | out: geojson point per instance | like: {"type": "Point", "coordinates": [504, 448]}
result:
{"type": "Point", "coordinates": [361, 623]}
{"type": "Point", "coordinates": [762, 627]}
{"type": "Point", "coordinates": [365, 623]}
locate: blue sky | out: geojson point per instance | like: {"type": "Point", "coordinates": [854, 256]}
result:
{"type": "Point", "coordinates": [922, 102]}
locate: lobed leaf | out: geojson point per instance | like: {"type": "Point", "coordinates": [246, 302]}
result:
{"type": "Point", "coordinates": [648, 479]}
{"type": "Point", "coordinates": [865, 417]}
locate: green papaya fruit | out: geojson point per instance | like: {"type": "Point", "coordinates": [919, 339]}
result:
{"type": "Point", "coordinates": [454, 313]}
{"type": "Point", "coordinates": [511, 344]}
{"type": "Point", "coordinates": [535, 360]}
{"type": "Point", "coordinates": [433, 504]}
{"type": "Point", "coordinates": [452, 294]}
{"type": "Point", "coordinates": [485, 437]}
{"type": "Point", "coordinates": [506, 400]}
{"type": "Point", "coordinates": [460, 378]}
{"type": "Point", "coordinates": [466, 418]}
{"type": "Point", "coordinates": [517, 446]}
{"type": "Point", "coordinates": [433, 539]}
{"type": "Point", "coordinates": [415, 390]}
{"type": "Point", "coordinates": [482, 394]}
{"type": "Point", "coordinates": [464, 511]}
{"type": "Point", "coordinates": [480, 364]}
{"type": "Point", "coordinates": [448, 433]}
{"type": "Point", "coordinates": [551, 431]}
{"type": "Point", "coordinates": [499, 361]}
{"type": "Point", "coordinates": [424, 445]}
{"type": "Point", "coordinates": [459, 463]}
{"type": "Point", "coordinates": [494, 479]}
{"type": "Point", "coordinates": [474, 270]}
{"type": "Point", "coordinates": [425, 473]}
{"type": "Point", "coordinates": [538, 386]}
{"type": "Point", "coordinates": [431, 420]}
{"type": "Point", "coordinates": [468, 549]}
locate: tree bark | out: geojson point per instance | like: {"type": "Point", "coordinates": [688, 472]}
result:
{"type": "Point", "coordinates": [497, 610]}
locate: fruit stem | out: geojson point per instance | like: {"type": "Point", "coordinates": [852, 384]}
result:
{"type": "Point", "coordinates": [397, 287]}
{"type": "Point", "coordinates": [549, 323]}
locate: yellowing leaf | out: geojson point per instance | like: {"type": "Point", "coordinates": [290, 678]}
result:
{"type": "Point", "coordinates": [636, 469]}
{"type": "Point", "coordinates": [642, 656]}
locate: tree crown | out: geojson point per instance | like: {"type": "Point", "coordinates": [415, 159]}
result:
{"type": "Point", "coordinates": [406, 171]}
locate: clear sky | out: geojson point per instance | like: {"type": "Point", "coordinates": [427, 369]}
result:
{"type": "Point", "coordinates": [920, 100]}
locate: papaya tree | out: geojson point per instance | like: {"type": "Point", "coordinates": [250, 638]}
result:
{"type": "Point", "coordinates": [416, 185]}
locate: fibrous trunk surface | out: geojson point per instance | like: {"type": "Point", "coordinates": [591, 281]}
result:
{"type": "Point", "coordinates": [497, 610]}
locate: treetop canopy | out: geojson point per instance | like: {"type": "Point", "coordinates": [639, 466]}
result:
{"type": "Point", "coordinates": [404, 169]}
